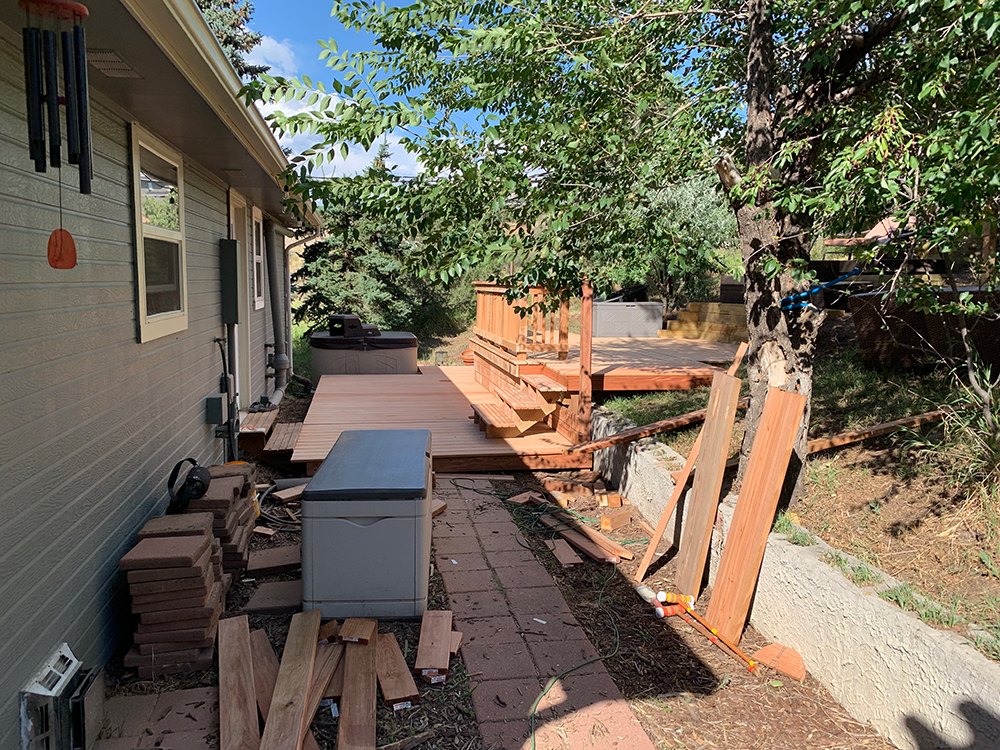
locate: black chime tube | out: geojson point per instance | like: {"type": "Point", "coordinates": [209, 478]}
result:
{"type": "Point", "coordinates": [32, 39]}
{"type": "Point", "coordinates": [50, 51]}
{"type": "Point", "coordinates": [69, 95]}
{"type": "Point", "coordinates": [83, 108]}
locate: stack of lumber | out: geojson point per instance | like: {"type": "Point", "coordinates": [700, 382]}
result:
{"type": "Point", "coordinates": [177, 587]}
{"type": "Point", "coordinates": [230, 500]}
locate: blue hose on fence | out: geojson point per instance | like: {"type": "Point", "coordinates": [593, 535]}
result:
{"type": "Point", "coordinates": [786, 302]}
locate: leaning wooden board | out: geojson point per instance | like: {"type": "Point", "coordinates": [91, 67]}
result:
{"type": "Point", "coordinates": [328, 658]}
{"type": "Point", "coordinates": [696, 533]}
{"type": "Point", "coordinates": [291, 691]}
{"type": "Point", "coordinates": [754, 515]}
{"type": "Point", "coordinates": [394, 677]}
{"type": "Point", "coordinates": [265, 674]}
{"type": "Point", "coordinates": [434, 647]}
{"type": "Point", "coordinates": [356, 727]}
{"type": "Point", "coordinates": [238, 728]}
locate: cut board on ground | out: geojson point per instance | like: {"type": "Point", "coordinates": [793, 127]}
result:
{"type": "Point", "coordinates": [357, 630]}
{"type": "Point", "coordinates": [743, 553]}
{"type": "Point", "coordinates": [456, 641]}
{"type": "Point", "coordinates": [275, 598]}
{"type": "Point", "coordinates": [394, 678]}
{"type": "Point", "coordinates": [290, 494]}
{"type": "Point", "coordinates": [283, 730]}
{"type": "Point", "coordinates": [328, 632]}
{"type": "Point", "coordinates": [238, 728]}
{"type": "Point", "coordinates": [434, 647]}
{"type": "Point", "coordinates": [616, 519]}
{"type": "Point", "coordinates": [328, 658]}
{"type": "Point", "coordinates": [703, 502]}
{"type": "Point", "coordinates": [356, 727]}
{"type": "Point", "coordinates": [566, 521]}
{"type": "Point", "coordinates": [438, 507]}
{"type": "Point", "coordinates": [272, 560]}
{"type": "Point", "coordinates": [563, 553]}
{"type": "Point", "coordinates": [265, 674]}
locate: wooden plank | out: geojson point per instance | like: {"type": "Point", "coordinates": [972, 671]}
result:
{"type": "Point", "coordinates": [265, 670]}
{"type": "Point", "coordinates": [579, 541]}
{"type": "Point", "coordinates": [289, 494]}
{"type": "Point", "coordinates": [696, 534]}
{"type": "Point", "coordinates": [264, 531]}
{"type": "Point", "coordinates": [567, 485]}
{"type": "Point", "coordinates": [438, 507]}
{"type": "Point", "coordinates": [328, 657]}
{"type": "Point", "coordinates": [754, 515]}
{"type": "Point", "coordinates": [522, 499]}
{"type": "Point", "coordinates": [434, 648]}
{"type": "Point", "coordinates": [563, 553]}
{"type": "Point", "coordinates": [586, 388]}
{"type": "Point", "coordinates": [282, 438]}
{"type": "Point", "coordinates": [608, 545]}
{"type": "Point", "coordinates": [394, 677]}
{"type": "Point", "coordinates": [335, 690]}
{"type": "Point", "coordinates": [886, 428]}
{"type": "Point", "coordinates": [616, 519]}
{"type": "Point", "coordinates": [357, 630]}
{"type": "Point", "coordinates": [328, 632]}
{"type": "Point", "coordinates": [456, 641]}
{"type": "Point", "coordinates": [283, 730]}
{"type": "Point", "coordinates": [271, 560]}
{"type": "Point", "coordinates": [238, 729]}
{"type": "Point", "coordinates": [356, 726]}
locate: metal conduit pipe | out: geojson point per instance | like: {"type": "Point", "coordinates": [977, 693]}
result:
{"type": "Point", "coordinates": [280, 362]}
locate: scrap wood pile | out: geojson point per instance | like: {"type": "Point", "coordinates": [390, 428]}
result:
{"type": "Point", "coordinates": [348, 664]}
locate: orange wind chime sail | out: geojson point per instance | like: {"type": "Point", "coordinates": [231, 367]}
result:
{"type": "Point", "coordinates": [43, 37]}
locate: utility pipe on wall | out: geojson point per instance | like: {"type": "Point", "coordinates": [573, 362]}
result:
{"type": "Point", "coordinates": [280, 361]}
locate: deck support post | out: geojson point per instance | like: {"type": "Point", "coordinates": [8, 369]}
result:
{"type": "Point", "coordinates": [586, 349]}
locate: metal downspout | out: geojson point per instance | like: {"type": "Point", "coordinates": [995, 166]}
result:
{"type": "Point", "coordinates": [280, 362]}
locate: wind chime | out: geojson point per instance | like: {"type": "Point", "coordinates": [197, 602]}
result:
{"type": "Point", "coordinates": [44, 18]}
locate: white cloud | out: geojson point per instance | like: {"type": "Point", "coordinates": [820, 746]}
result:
{"type": "Point", "coordinates": [277, 54]}
{"type": "Point", "coordinates": [403, 163]}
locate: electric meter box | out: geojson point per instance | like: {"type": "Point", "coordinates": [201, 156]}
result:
{"type": "Point", "coordinates": [366, 526]}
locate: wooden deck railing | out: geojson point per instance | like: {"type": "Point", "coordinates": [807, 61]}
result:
{"type": "Point", "coordinates": [498, 322]}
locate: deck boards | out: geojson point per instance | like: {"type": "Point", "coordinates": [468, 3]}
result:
{"type": "Point", "coordinates": [440, 399]}
{"type": "Point", "coordinates": [282, 438]}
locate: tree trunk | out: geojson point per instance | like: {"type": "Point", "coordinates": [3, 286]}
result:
{"type": "Point", "coordinates": [781, 343]}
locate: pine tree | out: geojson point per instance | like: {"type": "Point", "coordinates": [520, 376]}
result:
{"type": "Point", "coordinates": [228, 20]}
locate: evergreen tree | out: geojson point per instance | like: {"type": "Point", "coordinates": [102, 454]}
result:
{"type": "Point", "coordinates": [228, 20]}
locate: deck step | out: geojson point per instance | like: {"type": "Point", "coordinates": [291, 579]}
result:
{"type": "Point", "coordinates": [282, 439]}
{"type": "Point", "coordinates": [526, 404]}
{"type": "Point", "coordinates": [258, 423]}
{"type": "Point", "coordinates": [500, 421]}
{"type": "Point", "coordinates": [548, 389]}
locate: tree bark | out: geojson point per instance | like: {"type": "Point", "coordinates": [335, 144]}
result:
{"type": "Point", "coordinates": [781, 343]}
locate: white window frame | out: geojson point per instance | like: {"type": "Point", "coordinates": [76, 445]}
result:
{"type": "Point", "coordinates": [257, 258]}
{"type": "Point", "coordinates": [156, 326]}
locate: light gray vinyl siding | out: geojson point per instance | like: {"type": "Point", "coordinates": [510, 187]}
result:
{"type": "Point", "coordinates": [261, 333]}
{"type": "Point", "coordinates": [91, 419]}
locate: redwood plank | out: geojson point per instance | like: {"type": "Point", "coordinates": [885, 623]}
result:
{"type": "Point", "coordinates": [886, 428]}
{"type": "Point", "coordinates": [238, 729]}
{"type": "Point", "coordinates": [434, 648]}
{"type": "Point", "coordinates": [283, 730]}
{"type": "Point", "coordinates": [578, 540]}
{"type": "Point", "coordinates": [586, 359]}
{"type": "Point", "coordinates": [696, 534]}
{"type": "Point", "coordinates": [328, 658]}
{"type": "Point", "coordinates": [456, 641]}
{"type": "Point", "coordinates": [563, 553]}
{"type": "Point", "coordinates": [616, 519]}
{"type": "Point", "coordinates": [328, 632]}
{"type": "Point", "coordinates": [357, 630]}
{"type": "Point", "coordinates": [265, 670]}
{"type": "Point", "coordinates": [356, 727]}
{"type": "Point", "coordinates": [394, 677]}
{"type": "Point", "coordinates": [755, 508]}
{"type": "Point", "coordinates": [609, 546]}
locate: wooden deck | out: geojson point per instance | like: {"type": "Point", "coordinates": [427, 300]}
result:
{"type": "Point", "coordinates": [440, 400]}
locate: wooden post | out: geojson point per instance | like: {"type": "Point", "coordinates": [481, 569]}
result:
{"type": "Point", "coordinates": [586, 346]}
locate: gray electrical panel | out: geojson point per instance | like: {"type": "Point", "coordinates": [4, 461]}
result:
{"type": "Point", "coordinates": [229, 265]}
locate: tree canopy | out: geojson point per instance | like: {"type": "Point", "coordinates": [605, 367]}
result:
{"type": "Point", "coordinates": [228, 20]}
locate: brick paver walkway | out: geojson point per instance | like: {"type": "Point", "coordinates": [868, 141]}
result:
{"type": "Point", "coordinates": [518, 633]}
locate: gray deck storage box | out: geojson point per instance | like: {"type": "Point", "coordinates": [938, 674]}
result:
{"type": "Point", "coordinates": [627, 319]}
{"type": "Point", "coordinates": [366, 526]}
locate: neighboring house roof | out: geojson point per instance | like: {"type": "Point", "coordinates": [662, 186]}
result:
{"type": "Point", "coordinates": [178, 83]}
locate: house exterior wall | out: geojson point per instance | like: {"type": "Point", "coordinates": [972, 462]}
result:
{"type": "Point", "coordinates": [261, 332]}
{"type": "Point", "coordinates": [92, 420]}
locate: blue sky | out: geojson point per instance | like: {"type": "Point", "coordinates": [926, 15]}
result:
{"type": "Point", "coordinates": [291, 30]}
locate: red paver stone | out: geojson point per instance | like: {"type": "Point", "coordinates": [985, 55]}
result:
{"type": "Point", "coordinates": [141, 605]}
{"type": "Point", "coordinates": [462, 562]}
{"type": "Point", "coordinates": [486, 514]}
{"type": "Point", "coordinates": [504, 700]}
{"type": "Point", "coordinates": [485, 528]}
{"type": "Point", "coordinates": [128, 715]}
{"type": "Point", "coordinates": [456, 545]}
{"type": "Point", "coordinates": [272, 560]}
{"type": "Point", "coordinates": [203, 739]}
{"type": "Point", "coordinates": [552, 627]}
{"type": "Point", "coordinates": [606, 726]}
{"type": "Point", "coordinates": [505, 735]}
{"type": "Point", "coordinates": [548, 600]}
{"type": "Point", "coordinates": [577, 692]}
{"type": "Point", "coordinates": [526, 576]}
{"type": "Point", "coordinates": [499, 661]}
{"type": "Point", "coordinates": [165, 552]}
{"type": "Point", "coordinates": [461, 582]}
{"type": "Point", "coordinates": [501, 541]}
{"type": "Point", "coordinates": [184, 524]}
{"type": "Point", "coordinates": [501, 629]}
{"type": "Point", "coordinates": [200, 567]}
{"type": "Point", "coordinates": [509, 558]}
{"type": "Point", "coordinates": [118, 743]}
{"type": "Point", "coordinates": [186, 710]}
{"type": "Point", "coordinates": [442, 530]}
{"type": "Point", "coordinates": [554, 657]}
{"type": "Point", "coordinates": [478, 604]}
{"type": "Point", "coordinates": [275, 598]}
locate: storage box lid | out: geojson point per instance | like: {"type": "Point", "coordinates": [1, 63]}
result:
{"type": "Point", "coordinates": [383, 340]}
{"type": "Point", "coordinates": [373, 465]}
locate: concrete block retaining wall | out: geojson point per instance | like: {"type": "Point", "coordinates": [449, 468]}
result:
{"type": "Point", "coordinates": [919, 687]}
